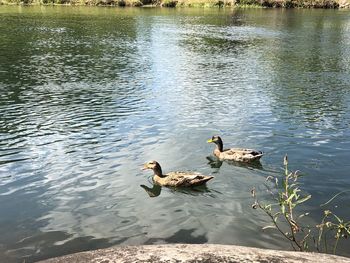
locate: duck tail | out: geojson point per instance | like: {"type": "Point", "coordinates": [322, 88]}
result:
{"type": "Point", "coordinates": [258, 155]}
{"type": "Point", "coordinates": [205, 179]}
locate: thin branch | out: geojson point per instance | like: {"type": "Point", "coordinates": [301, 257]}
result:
{"type": "Point", "coordinates": [330, 200]}
{"type": "Point", "coordinates": [275, 223]}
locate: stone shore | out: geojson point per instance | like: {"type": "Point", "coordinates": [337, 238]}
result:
{"type": "Point", "coordinates": [199, 253]}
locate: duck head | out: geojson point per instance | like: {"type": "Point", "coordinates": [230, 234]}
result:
{"type": "Point", "coordinates": [217, 140]}
{"type": "Point", "coordinates": [153, 165]}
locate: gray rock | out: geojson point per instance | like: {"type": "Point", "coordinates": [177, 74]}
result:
{"type": "Point", "coordinates": [176, 253]}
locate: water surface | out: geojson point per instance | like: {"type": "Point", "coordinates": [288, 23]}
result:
{"type": "Point", "coordinates": [90, 94]}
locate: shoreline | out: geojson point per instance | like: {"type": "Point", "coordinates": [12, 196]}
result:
{"type": "Point", "coordinates": [315, 4]}
{"type": "Point", "coordinates": [189, 253]}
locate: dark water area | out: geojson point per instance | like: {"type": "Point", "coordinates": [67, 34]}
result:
{"type": "Point", "coordinates": [87, 95]}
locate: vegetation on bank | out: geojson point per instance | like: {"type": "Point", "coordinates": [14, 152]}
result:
{"type": "Point", "coordinates": [287, 196]}
{"type": "Point", "coordinates": [191, 3]}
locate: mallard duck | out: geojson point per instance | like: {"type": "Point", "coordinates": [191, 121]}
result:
{"type": "Point", "coordinates": [176, 179]}
{"type": "Point", "coordinates": [234, 154]}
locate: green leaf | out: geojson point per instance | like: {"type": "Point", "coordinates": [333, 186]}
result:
{"type": "Point", "coordinates": [330, 200]}
{"type": "Point", "coordinates": [267, 207]}
{"type": "Point", "coordinates": [284, 184]}
{"type": "Point", "coordinates": [339, 220]}
{"type": "Point", "coordinates": [283, 209]}
{"type": "Point", "coordinates": [290, 198]}
{"type": "Point", "coordinates": [267, 227]}
{"type": "Point", "coordinates": [280, 198]}
{"type": "Point", "coordinates": [302, 215]}
{"type": "Point", "coordinates": [348, 230]}
{"type": "Point", "coordinates": [296, 190]}
{"type": "Point", "coordinates": [302, 200]}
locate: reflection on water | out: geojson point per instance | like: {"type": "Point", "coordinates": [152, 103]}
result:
{"type": "Point", "coordinates": [152, 191]}
{"type": "Point", "coordinates": [89, 94]}
{"type": "Point", "coordinates": [217, 163]}
{"type": "Point", "coordinates": [155, 190]}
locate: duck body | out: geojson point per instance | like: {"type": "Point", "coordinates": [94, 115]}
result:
{"type": "Point", "coordinates": [234, 154]}
{"type": "Point", "coordinates": [238, 155]}
{"type": "Point", "coordinates": [176, 179]}
{"type": "Point", "coordinates": [183, 179]}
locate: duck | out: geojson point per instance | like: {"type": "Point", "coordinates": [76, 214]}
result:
{"type": "Point", "coordinates": [175, 179]}
{"type": "Point", "coordinates": [234, 154]}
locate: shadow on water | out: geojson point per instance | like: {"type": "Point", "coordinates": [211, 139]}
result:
{"type": "Point", "coordinates": [155, 190]}
{"type": "Point", "coordinates": [186, 235]}
{"type": "Point", "coordinates": [68, 245]}
{"type": "Point", "coordinates": [215, 163]}
{"type": "Point", "coordinates": [152, 191]}
{"type": "Point", "coordinates": [194, 191]}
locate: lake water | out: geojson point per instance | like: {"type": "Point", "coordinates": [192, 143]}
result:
{"type": "Point", "coordinates": [90, 94]}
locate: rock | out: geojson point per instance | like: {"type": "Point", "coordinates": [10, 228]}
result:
{"type": "Point", "coordinates": [204, 253]}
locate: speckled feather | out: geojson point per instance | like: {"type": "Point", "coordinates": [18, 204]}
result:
{"type": "Point", "coordinates": [238, 154]}
{"type": "Point", "coordinates": [176, 179]}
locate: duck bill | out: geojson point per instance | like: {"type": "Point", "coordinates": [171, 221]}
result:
{"type": "Point", "coordinates": [209, 141]}
{"type": "Point", "coordinates": [145, 167]}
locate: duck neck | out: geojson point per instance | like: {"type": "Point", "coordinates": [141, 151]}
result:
{"type": "Point", "coordinates": [158, 170]}
{"type": "Point", "coordinates": [219, 145]}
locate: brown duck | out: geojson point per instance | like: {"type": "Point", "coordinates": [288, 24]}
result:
{"type": "Point", "coordinates": [176, 179]}
{"type": "Point", "coordinates": [234, 154]}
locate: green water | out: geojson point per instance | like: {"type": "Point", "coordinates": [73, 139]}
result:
{"type": "Point", "coordinates": [87, 95]}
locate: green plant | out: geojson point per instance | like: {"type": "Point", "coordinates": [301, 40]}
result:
{"type": "Point", "coordinates": [169, 3]}
{"type": "Point", "coordinates": [286, 219]}
{"type": "Point", "coordinates": [334, 224]}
